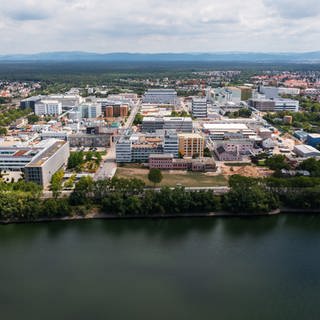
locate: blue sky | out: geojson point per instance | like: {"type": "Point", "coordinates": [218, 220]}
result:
{"type": "Point", "coordinates": [28, 26]}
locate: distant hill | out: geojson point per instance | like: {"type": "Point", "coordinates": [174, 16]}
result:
{"type": "Point", "coordinates": [307, 57]}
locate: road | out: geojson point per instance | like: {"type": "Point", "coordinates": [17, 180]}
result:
{"type": "Point", "coordinates": [133, 113]}
{"type": "Point", "coordinates": [109, 166]}
{"type": "Point", "coordinates": [215, 190]}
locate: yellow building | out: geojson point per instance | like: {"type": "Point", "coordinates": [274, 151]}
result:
{"type": "Point", "coordinates": [191, 144]}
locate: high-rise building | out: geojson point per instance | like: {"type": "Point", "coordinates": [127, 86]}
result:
{"type": "Point", "coordinates": [90, 110]}
{"type": "Point", "coordinates": [48, 107]}
{"type": "Point", "coordinates": [171, 143]}
{"type": "Point", "coordinates": [199, 108]}
{"type": "Point", "coordinates": [191, 144]}
{"type": "Point", "coordinates": [124, 150]}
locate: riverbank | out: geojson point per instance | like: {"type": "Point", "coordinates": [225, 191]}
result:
{"type": "Point", "coordinates": [94, 215]}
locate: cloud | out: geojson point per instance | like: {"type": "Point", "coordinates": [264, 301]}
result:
{"type": "Point", "coordinates": [294, 9]}
{"type": "Point", "coordinates": [25, 15]}
{"type": "Point", "coordinates": [154, 25]}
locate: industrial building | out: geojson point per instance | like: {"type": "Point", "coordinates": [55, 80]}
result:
{"type": "Point", "coordinates": [313, 139]}
{"type": "Point", "coordinates": [161, 96]}
{"type": "Point", "coordinates": [223, 131]}
{"type": "Point", "coordinates": [180, 124]}
{"type": "Point", "coordinates": [306, 151]}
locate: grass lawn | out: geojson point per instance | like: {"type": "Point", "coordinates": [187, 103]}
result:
{"type": "Point", "coordinates": [190, 179]}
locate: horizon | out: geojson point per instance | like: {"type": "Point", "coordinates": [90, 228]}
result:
{"type": "Point", "coordinates": [160, 52]}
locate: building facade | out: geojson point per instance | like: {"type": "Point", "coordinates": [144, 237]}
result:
{"type": "Point", "coordinates": [191, 145]}
{"type": "Point", "coordinates": [41, 169]}
{"type": "Point", "coordinates": [180, 124]}
{"type": "Point", "coordinates": [48, 107]}
{"type": "Point", "coordinates": [199, 108]}
{"type": "Point", "coordinates": [161, 96]}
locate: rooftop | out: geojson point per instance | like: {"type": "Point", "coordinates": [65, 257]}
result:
{"type": "Point", "coordinates": [306, 149]}
{"type": "Point", "coordinates": [225, 126]}
{"type": "Point", "coordinates": [47, 154]}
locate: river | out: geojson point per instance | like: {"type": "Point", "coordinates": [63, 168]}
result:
{"type": "Point", "coordinates": [223, 268]}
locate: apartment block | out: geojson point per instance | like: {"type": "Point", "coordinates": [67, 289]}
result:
{"type": "Point", "coordinates": [191, 144]}
{"type": "Point", "coordinates": [199, 108]}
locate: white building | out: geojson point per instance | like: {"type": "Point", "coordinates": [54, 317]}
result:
{"type": "Point", "coordinates": [222, 131]}
{"type": "Point", "coordinates": [38, 161]}
{"type": "Point", "coordinates": [199, 107]}
{"type": "Point", "coordinates": [272, 105]}
{"type": "Point", "coordinates": [60, 135]}
{"type": "Point", "coordinates": [48, 107]}
{"type": "Point", "coordinates": [90, 110]}
{"type": "Point", "coordinates": [161, 96]}
{"type": "Point", "coordinates": [306, 151]}
{"type": "Point", "coordinates": [54, 156]}
{"type": "Point", "coordinates": [286, 105]}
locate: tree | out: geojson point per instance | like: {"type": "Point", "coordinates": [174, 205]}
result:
{"type": "Point", "coordinates": [56, 183]}
{"type": "Point", "coordinates": [248, 196]}
{"type": "Point", "coordinates": [277, 162]}
{"type": "Point", "coordinates": [3, 131]}
{"type": "Point", "coordinates": [32, 118]}
{"type": "Point", "coordinates": [155, 176]}
{"type": "Point", "coordinates": [82, 191]}
{"type": "Point", "coordinates": [138, 119]}
{"type": "Point", "coordinates": [76, 159]}
{"type": "Point", "coordinates": [312, 165]}
{"type": "Point", "coordinates": [207, 152]}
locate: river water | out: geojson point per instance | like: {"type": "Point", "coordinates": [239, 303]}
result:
{"type": "Point", "coordinates": [259, 268]}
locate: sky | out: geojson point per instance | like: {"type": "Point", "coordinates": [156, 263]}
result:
{"type": "Point", "coordinates": [30, 26]}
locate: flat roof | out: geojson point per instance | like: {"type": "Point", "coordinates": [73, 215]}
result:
{"type": "Point", "coordinates": [314, 135]}
{"type": "Point", "coordinates": [47, 154]}
{"type": "Point", "coordinates": [306, 149]}
{"type": "Point", "coordinates": [190, 135]}
{"type": "Point", "coordinates": [225, 126]}
{"type": "Point", "coordinates": [161, 156]}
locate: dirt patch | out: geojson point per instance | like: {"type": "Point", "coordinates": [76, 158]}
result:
{"type": "Point", "coordinates": [246, 171]}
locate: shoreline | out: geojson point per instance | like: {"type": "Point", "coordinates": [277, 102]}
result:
{"type": "Point", "coordinates": [103, 216]}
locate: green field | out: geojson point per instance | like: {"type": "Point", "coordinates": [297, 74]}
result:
{"type": "Point", "coordinates": [190, 179]}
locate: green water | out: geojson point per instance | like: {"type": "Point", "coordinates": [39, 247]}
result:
{"type": "Point", "coordinates": [261, 268]}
